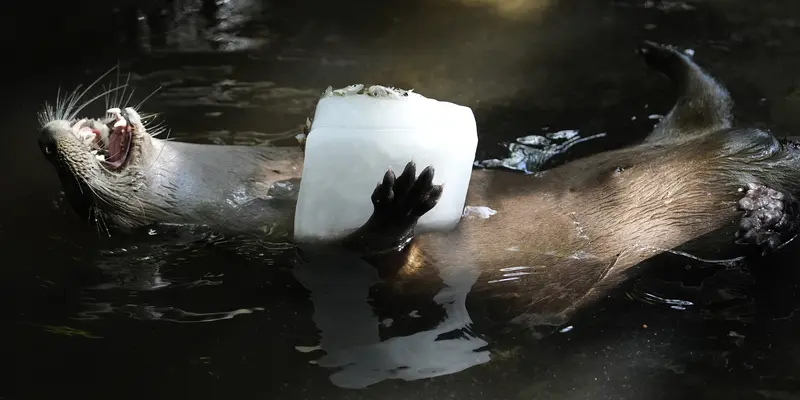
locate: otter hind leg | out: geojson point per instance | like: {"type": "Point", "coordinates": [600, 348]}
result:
{"type": "Point", "coordinates": [771, 218]}
{"type": "Point", "coordinates": [703, 104]}
{"type": "Point", "coordinates": [398, 204]}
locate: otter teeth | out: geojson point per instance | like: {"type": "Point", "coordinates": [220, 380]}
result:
{"type": "Point", "coordinates": [100, 157]}
{"type": "Point", "coordinates": [116, 112]}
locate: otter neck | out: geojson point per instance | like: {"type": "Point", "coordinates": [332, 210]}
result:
{"type": "Point", "coordinates": [251, 187]}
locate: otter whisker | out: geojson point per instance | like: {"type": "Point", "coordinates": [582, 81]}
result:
{"type": "Point", "coordinates": [166, 139]}
{"type": "Point", "coordinates": [107, 96]}
{"type": "Point", "coordinates": [153, 129]}
{"type": "Point", "coordinates": [141, 103]}
{"type": "Point", "coordinates": [90, 101]}
{"type": "Point", "coordinates": [67, 102]}
{"type": "Point", "coordinates": [157, 131]}
{"type": "Point", "coordinates": [141, 208]}
{"type": "Point", "coordinates": [51, 113]}
{"type": "Point", "coordinates": [122, 103]}
{"type": "Point", "coordinates": [102, 220]}
{"type": "Point", "coordinates": [80, 187]}
{"type": "Point", "coordinates": [46, 115]}
{"type": "Point", "coordinates": [96, 216]}
{"type": "Point", "coordinates": [70, 113]}
{"type": "Point", "coordinates": [128, 100]}
{"type": "Point", "coordinates": [119, 96]}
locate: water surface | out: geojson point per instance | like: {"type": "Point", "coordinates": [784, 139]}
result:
{"type": "Point", "coordinates": [183, 312]}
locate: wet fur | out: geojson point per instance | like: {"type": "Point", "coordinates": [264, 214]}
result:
{"type": "Point", "coordinates": [581, 227]}
{"type": "Point", "coordinates": [230, 188]}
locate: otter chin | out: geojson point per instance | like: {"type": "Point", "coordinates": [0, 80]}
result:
{"type": "Point", "coordinates": [115, 173]}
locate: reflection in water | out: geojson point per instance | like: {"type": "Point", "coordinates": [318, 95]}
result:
{"type": "Point", "coordinates": [349, 327]}
{"type": "Point", "coordinates": [195, 26]}
{"type": "Point", "coordinates": [133, 277]}
{"type": "Point", "coordinates": [172, 314]}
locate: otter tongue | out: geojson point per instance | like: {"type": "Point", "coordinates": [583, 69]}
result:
{"type": "Point", "coordinates": [118, 143]}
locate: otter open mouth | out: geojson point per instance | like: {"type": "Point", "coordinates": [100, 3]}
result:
{"type": "Point", "coordinates": [112, 145]}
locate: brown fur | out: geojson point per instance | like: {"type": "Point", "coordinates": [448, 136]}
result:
{"type": "Point", "coordinates": [581, 227]}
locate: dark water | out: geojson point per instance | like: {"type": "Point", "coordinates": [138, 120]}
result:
{"type": "Point", "coordinates": [165, 314]}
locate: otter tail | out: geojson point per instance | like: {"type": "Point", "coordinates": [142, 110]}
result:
{"type": "Point", "coordinates": [703, 104]}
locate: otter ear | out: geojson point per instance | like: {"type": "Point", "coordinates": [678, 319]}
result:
{"type": "Point", "coordinates": [703, 104]}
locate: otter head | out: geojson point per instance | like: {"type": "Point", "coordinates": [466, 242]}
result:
{"type": "Point", "coordinates": [97, 161]}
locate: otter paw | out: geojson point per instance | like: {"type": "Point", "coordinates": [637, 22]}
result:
{"type": "Point", "coordinates": [770, 218]}
{"type": "Point", "coordinates": [405, 198]}
{"type": "Point", "coordinates": [398, 203]}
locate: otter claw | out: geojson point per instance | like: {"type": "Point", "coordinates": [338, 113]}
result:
{"type": "Point", "coordinates": [398, 204]}
{"type": "Point", "coordinates": [408, 197]}
{"type": "Point", "coordinates": [771, 218]}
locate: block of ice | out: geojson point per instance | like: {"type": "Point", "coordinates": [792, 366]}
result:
{"type": "Point", "coordinates": [358, 133]}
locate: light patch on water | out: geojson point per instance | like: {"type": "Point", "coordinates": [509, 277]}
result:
{"type": "Point", "coordinates": [675, 303]}
{"type": "Point", "coordinates": [513, 248]}
{"type": "Point", "coordinates": [730, 262]}
{"type": "Point", "coordinates": [69, 331]}
{"type": "Point", "coordinates": [530, 153]}
{"type": "Point", "coordinates": [513, 9]}
{"type": "Point", "coordinates": [172, 314]}
{"type": "Point", "coordinates": [736, 335]}
{"type": "Point", "coordinates": [668, 6]}
{"type": "Point", "coordinates": [655, 116]}
{"type": "Point", "coordinates": [566, 329]}
{"type": "Point", "coordinates": [307, 349]}
{"type": "Point", "coordinates": [482, 212]}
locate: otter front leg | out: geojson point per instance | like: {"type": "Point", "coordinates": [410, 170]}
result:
{"type": "Point", "coordinates": [771, 218]}
{"type": "Point", "coordinates": [398, 204]}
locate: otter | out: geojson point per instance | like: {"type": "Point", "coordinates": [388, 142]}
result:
{"type": "Point", "coordinates": [562, 239]}
{"type": "Point", "coordinates": [116, 173]}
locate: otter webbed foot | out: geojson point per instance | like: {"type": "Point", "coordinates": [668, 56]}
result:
{"type": "Point", "coordinates": [771, 218]}
{"type": "Point", "coordinates": [398, 204]}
